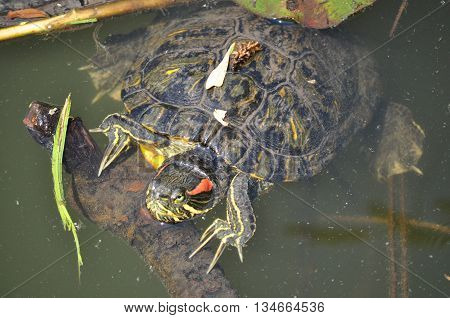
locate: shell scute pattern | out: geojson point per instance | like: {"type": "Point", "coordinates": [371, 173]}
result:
{"type": "Point", "coordinates": [284, 39]}
{"type": "Point", "coordinates": [232, 144]}
{"type": "Point", "coordinates": [319, 90]}
{"type": "Point", "coordinates": [289, 108]}
{"type": "Point", "coordinates": [261, 69]}
{"type": "Point", "coordinates": [171, 120]}
{"type": "Point", "coordinates": [189, 124]}
{"type": "Point", "coordinates": [283, 123]}
{"type": "Point", "coordinates": [193, 35]}
{"type": "Point", "coordinates": [177, 78]}
{"type": "Point", "coordinates": [261, 162]}
{"type": "Point", "coordinates": [239, 97]}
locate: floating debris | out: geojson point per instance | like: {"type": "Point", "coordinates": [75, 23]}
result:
{"type": "Point", "coordinates": [26, 14]}
{"type": "Point", "coordinates": [217, 76]}
{"type": "Point", "coordinates": [219, 114]}
{"type": "Point", "coordinates": [245, 50]}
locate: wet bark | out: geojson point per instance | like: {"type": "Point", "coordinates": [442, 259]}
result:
{"type": "Point", "coordinates": [115, 201]}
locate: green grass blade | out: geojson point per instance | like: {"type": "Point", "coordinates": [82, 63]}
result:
{"type": "Point", "coordinates": [93, 20]}
{"type": "Point", "coordinates": [57, 157]}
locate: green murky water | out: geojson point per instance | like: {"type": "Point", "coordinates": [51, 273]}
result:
{"type": "Point", "coordinates": [296, 251]}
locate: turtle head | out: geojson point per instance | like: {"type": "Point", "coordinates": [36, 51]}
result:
{"type": "Point", "coordinates": [180, 192]}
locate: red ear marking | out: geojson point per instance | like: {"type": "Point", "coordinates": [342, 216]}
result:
{"type": "Point", "coordinates": [204, 186]}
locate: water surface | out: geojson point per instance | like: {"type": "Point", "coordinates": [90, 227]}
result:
{"type": "Point", "coordinates": [297, 250]}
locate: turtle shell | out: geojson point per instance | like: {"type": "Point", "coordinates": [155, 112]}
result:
{"type": "Point", "coordinates": [288, 109]}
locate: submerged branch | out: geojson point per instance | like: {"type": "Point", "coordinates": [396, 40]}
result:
{"type": "Point", "coordinates": [390, 247]}
{"type": "Point", "coordinates": [397, 17]}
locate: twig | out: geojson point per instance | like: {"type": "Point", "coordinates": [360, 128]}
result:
{"type": "Point", "coordinates": [89, 14]}
{"type": "Point", "coordinates": [382, 220]}
{"type": "Point", "coordinates": [429, 226]}
{"type": "Point", "coordinates": [403, 239]}
{"type": "Point", "coordinates": [397, 17]}
{"type": "Point", "coordinates": [390, 235]}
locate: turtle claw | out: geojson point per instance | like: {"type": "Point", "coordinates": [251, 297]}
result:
{"type": "Point", "coordinates": [118, 141]}
{"type": "Point", "coordinates": [219, 252]}
{"type": "Point", "coordinates": [416, 170]}
{"type": "Point", "coordinates": [96, 130]}
{"type": "Point", "coordinates": [241, 255]}
{"type": "Point", "coordinates": [203, 241]}
{"type": "Point", "coordinates": [222, 230]}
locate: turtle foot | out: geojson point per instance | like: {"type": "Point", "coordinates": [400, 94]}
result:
{"type": "Point", "coordinates": [223, 231]}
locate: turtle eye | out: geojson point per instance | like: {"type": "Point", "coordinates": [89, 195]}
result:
{"type": "Point", "coordinates": [179, 198]}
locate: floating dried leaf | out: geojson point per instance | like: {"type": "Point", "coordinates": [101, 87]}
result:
{"type": "Point", "coordinates": [219, 114]}
{"type": "Point", "coordinates": [26, 14]}
{"type": "Point", "coordinates": [217, 76]}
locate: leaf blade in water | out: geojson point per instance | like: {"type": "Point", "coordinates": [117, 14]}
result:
{"type": "Point", "coordinates": [57, 157]}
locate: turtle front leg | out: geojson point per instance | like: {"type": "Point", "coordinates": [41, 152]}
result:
{"type": "Point", "coordinates": [121, 130]}
{"type": "Point", "coordinates": [240, 224]}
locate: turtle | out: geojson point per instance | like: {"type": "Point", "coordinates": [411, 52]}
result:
{"type": "Point", "coordinates": [287, 109]}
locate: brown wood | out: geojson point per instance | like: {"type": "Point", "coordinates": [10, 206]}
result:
{"type": "Point", "coordinates": [50, 7]}
{"type": "Point", "coordinates": [67, 20]}
{"type": "Point", "coordinates": [402, 8]}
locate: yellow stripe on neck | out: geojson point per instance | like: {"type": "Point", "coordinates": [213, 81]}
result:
{"type": "Point", "coordinates": [194, 211]}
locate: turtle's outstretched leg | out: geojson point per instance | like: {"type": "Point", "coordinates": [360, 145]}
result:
{"type": "Point", "coordinates": [121, 130]}
{"type": "Point", "coordinates": [240, 224]}
{"type": "Point", "coordinates": [400, 146]}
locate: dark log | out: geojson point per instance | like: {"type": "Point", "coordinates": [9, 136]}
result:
{"type": "Point", "coordinates": [115, 201]}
